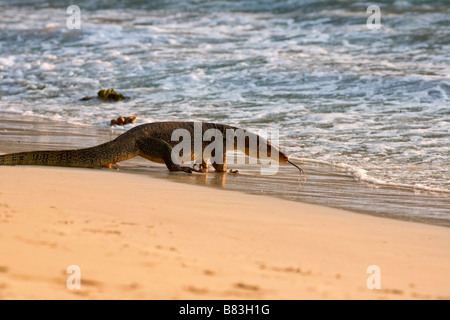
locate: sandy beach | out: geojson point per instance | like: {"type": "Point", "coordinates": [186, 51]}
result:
{"type": "Point", "coordinates": [137, 237]}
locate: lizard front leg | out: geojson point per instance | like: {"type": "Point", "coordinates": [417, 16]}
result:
{"type": "Point", "coordinates": [221, 167]}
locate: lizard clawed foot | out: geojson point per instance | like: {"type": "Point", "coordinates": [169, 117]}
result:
{"type": "Point", "coordinates": [201, 168]}
{"type": "Point", "coordinates": [112, 166]}
{"type": "Point", "coordinates": [186, 169]}
{"type": "Point", "coordinates": [190, 170]}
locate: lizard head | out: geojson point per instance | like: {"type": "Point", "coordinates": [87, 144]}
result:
{"type": "Point", "coordinates": [282, 157]}
{"type": "Point", "coordinates": [271, 149]}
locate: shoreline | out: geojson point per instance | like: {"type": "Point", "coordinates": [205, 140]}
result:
{"type": "Point", "coordinates": [326, 185]}
{"type": "Point", "coordinates": [138, 237]}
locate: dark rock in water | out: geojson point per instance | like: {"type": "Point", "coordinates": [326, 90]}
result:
{"type": "Point", "coordinates": [110, 95]}
{"type": "Point", "coordinates": [87, 98]}
{"type": "Point", "coordinates": [106, 95]}
{"type": "Point", "coordinates": [121, 121]}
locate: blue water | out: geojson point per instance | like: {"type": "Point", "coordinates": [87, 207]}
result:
{"type": "Point", "coordinates": [373, 103]}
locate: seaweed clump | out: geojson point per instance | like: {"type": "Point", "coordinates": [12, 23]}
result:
{"type": "Point", "coordinates": [110, 95]}
{"type": "Point", "coordinates": [121, 121]}
{"type": "Point", "coordinates": [106, 95]}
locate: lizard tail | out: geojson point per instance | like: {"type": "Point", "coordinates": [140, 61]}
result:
{"type": "Point", "coordinates": [40, 158]}
{"type": "Point", "coordinates": [97, 156]}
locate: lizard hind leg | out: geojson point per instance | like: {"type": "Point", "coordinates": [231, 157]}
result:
{"type": "Point", "coordinates": [158, 150]}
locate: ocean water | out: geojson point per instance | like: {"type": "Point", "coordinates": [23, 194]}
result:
{"type": "Point", "coordinates": [373, 105]}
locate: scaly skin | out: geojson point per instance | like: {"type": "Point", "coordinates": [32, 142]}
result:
{"type": "Point", "coordinates": [151, 141]}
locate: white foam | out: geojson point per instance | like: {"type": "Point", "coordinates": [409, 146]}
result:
{"type": "Point", "coordinates": [362, 175]}
{"type": "Point", "coordinates": [8, 61]}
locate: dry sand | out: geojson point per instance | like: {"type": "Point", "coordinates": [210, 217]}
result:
{"type": "Point", "coordinates": [136, 237]}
